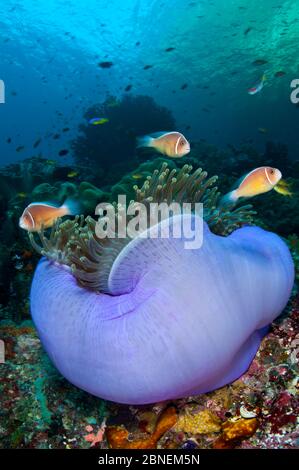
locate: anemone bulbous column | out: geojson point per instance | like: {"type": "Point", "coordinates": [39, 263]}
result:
{"type": "Point", "coordinates": [176, 322]}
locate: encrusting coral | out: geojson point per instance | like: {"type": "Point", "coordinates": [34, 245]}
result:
{"type": "Point", "coordinates": [74, 243]}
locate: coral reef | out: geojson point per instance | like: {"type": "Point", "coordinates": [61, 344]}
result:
{"type": "Point", "coordinates": [235, 431]}
{"type": "Point", "coordinates": [40, 409]}
{"type": "Point", "coordinates": [193, 421]}
{"type": "Point", "coordinates": [33, 180]}
{"type": "Point", "coordinates": [118, 438]}
{"type": "Point", "coordinates": [117, 138]}
{"type": "Point", "coordinates": [237, 161]}
{"type": "Point", "coordinates": [277, 213]}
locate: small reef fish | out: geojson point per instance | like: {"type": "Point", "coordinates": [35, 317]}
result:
{"type": "Point", "coordinates": [63, 153]}
{"type": "Point", "coordinates": [96, 121]}
{"type": "Point", "coordinates": [22, 195]}
{"type": "Point", "coordinates": [258, 87]}
{"type": "Point", "coordinates": [259, 62]}
{"type": "Point", "coordinates": [105, 64]}
{"type": "Point", "coordinates": [41, 215]}
{"type": "Point", "coordinates": [137, 176]}
{"type": "Point", "coordinates": [51, 162]}
{"type": "Point", "coordinates": [72, 174]}
{"type": "Point", "coordinates": [36, 143]}
{"type": "Point", "coordinates": [172, 144]}
{"type": "Point", "coordinates": [283, 188]}
{"type": "Point", "coordinates": [258, 181]}
{"type": "Point", "coordinates": [279, 74]}
{"type": "Point", "coordinates": [263, 130]}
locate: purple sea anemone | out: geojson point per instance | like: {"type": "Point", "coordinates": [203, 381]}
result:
{"type": "Point", "coordinates": [144, 320]}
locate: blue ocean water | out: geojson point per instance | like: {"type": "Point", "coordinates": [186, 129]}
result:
{"type": "Point", "coordinates": [203, 57]}
{"type": "Point", "coordinates": [80, 82]}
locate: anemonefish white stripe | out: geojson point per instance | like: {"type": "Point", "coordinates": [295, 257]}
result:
{"type": "Point", "coordinates": [266, 172]}
{"type": "Point", "coordinates": [32, 219]}
{"type": "Point", "coordinates": [176, 145]}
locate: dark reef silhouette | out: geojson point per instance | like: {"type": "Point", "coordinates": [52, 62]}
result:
{"type": "Point", "coordinates": [114, 142]}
